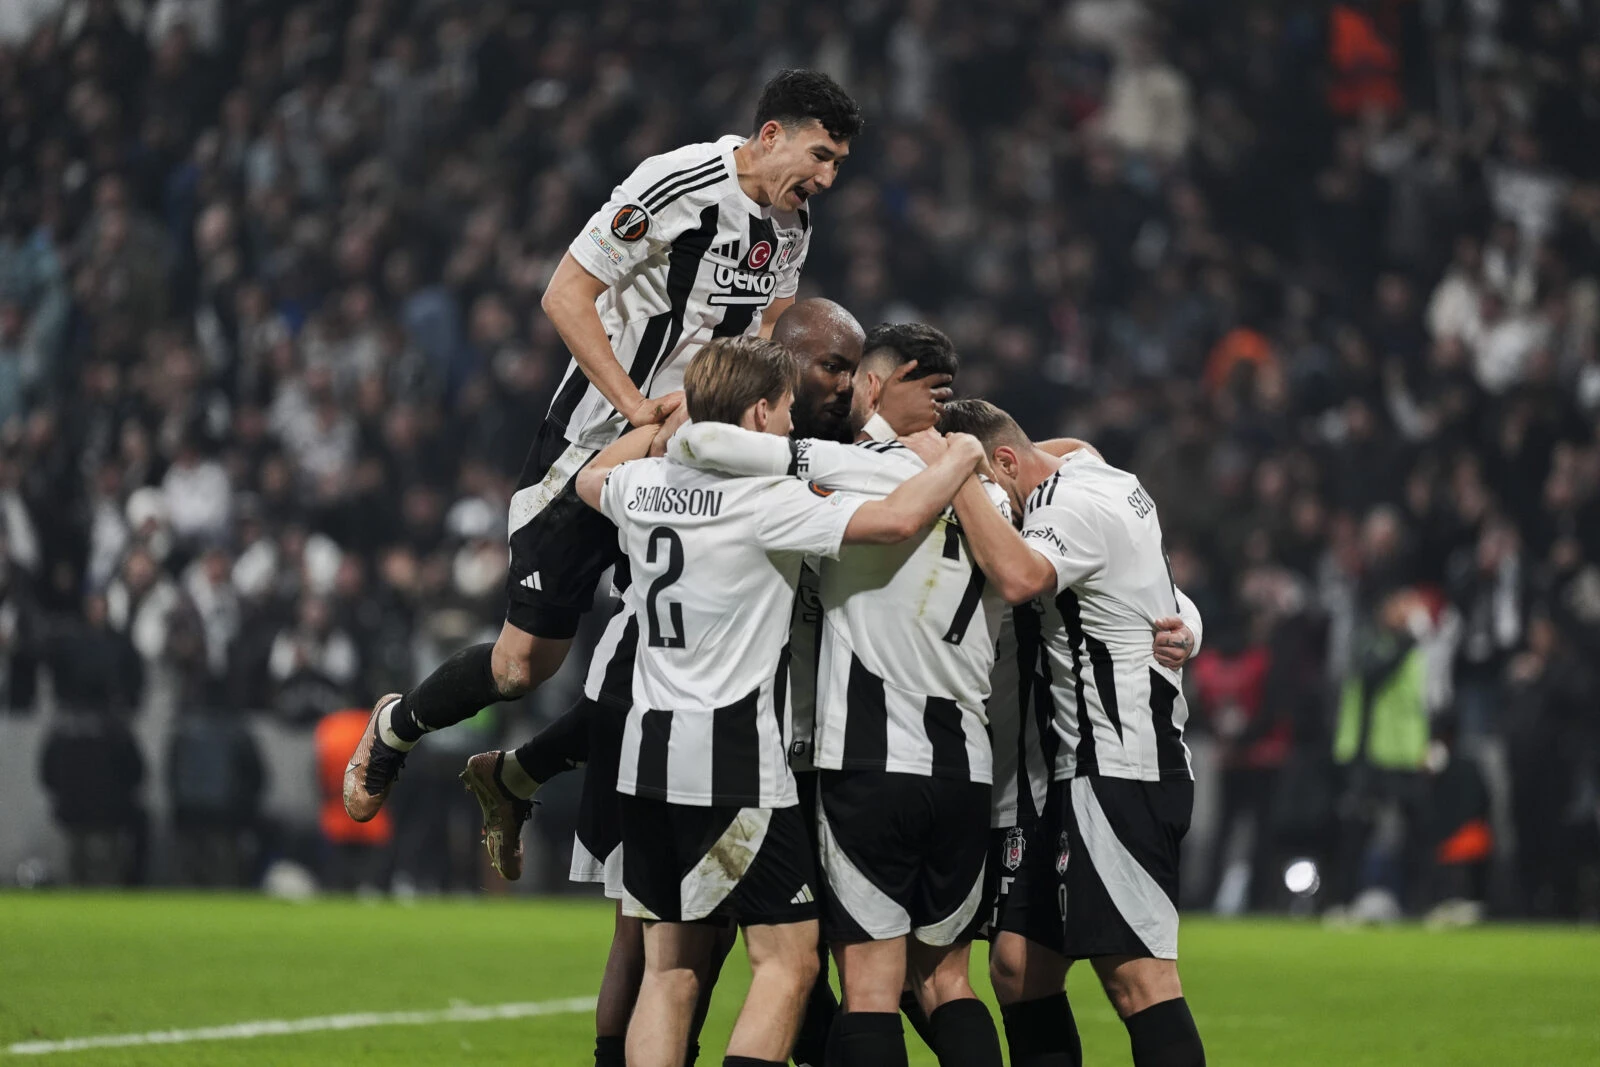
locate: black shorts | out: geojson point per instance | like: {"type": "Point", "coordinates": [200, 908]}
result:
{"type": "Point", "coordinates": [687, 864]}
{"type": "Point", "coordinates": [1123, 841]}
{"type": "Point", "coordinates": [1026, 880]}
{"type": "Point", "coordinates": [559, 545]}
{"type": "Point", "coordinates": [597, 840]}
{"type": "Point", "coordinates": [902, 854]}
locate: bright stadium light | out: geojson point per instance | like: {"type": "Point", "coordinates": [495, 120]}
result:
{"type": "Point", "coordinates": [1301, 877]}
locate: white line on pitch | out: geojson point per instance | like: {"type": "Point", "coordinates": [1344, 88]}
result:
{"type": "Point", "coordinates": [461, 1013]}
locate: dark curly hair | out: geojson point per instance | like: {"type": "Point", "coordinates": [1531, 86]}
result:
{"type": "Point", "coordinates": [904, 341]}
{"type": "Point", "coordinates": [793, 96]}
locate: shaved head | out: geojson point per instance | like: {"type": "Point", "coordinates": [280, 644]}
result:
{"type": "Point", "coordinates": [826, 340]}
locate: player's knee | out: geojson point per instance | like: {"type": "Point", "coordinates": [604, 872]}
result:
{"type": "Point", "coordinates": [522, 662]}
{"type": "Point", "coordinates": [679, 986]}
{"type": "Point", "coordinates": [1006, 972]}
{"type": "Point", "coordinates": [1133, 989]}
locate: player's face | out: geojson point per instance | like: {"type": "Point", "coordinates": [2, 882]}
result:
{"type": "Point", "coordinates": [828, 361]}
{"type": "Point", "coordinates": [804, 161]}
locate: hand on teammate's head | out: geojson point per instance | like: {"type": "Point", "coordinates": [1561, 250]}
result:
{"type": "Point", "coordinates": [967, 447]}
{"type": "Point", "coordinates": [912, 404]}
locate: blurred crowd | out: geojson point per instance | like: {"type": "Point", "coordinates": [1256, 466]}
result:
{"type": "Point", "coordinates": [1325, 275]}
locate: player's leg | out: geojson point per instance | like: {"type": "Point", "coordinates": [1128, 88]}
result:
{"type": "Point", "coordinates": [675, 956]}
{"type": "Point", "coordinates": [1149, 998]}
{"type": "Point", "coordinates": [867, 1031]}
{"type": "Point", "coordinates": [962, 1028]}
{"type": "Point", "coordinates": [619, 989]}
{"type": "Point", "coordinates": [1121, 906]}
{"type": "Point", "coordinates": [783, 965]}
{"type": "Point", "coordinates": [1026, 966]}
{"type": "Point", "coordinates": [726, 936]}
{"type": "Point", "coordinates": [559, 547]}
{"type": "Point", "coordinates": [947, 908]}
{"type": "Point", "coordinates": [1029, 981]}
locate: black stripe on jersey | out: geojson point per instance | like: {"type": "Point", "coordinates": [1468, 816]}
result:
{"type": "Point", "coordinates": [805, 219]}
{"type": "Point", "coordinates": [1044, 494]}
{"type": "Point", "coordinates": [661, 335]}
{"type": "Point", "coordinates": [879, 446]}
{"type": "Point", "coordinates": [780, 696]}
{"type": "Point", "coordinates": [616, 687]}
{"type": "Point", "coordinates": [952, 540]}
{"type": "Point", "coordinates": [941, 718]}
{"type": "Point", "coordinates": [567, 397]}
{"type": "Point", "coordinates": [866, 720]}
{"type": "Point", "coordinates": [1169, 739]}
{"type": "Point", "coordinates": [1067, 604]}
{"type": "Point", "coordinates": [736, 752]}
{"type": "Point", "coordinates": [655, 735]}
{"type": "Point", "coordinates": [736, 320]}
{"type": "Point", "coordinates": [968, 609]}
{"type": "Point", "coordinates": [794, 458]}
{"type": "Point", "coordinates": [689, 173]}
{"type": "Point", "coordinates": [673, 195]}
{"type": "Point", "coordinates": [1105, 680]}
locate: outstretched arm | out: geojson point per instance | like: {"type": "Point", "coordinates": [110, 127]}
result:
{"type": "Point", "coordinates": [635, 444]}
{"type": "Point", "coordinates": [917, 501]}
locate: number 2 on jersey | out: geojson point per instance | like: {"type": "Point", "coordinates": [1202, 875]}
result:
{"type": "Point", "coordinates": [674, 571]}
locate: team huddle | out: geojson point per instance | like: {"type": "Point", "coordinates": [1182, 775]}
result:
{"type": "Point", "coordinates": [885, 677]}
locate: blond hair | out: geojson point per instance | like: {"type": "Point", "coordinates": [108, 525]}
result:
{"type": "Point", "coordinates": [730, 374]}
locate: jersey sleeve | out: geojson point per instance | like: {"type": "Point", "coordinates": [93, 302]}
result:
{"type": "Point", "coordinates": [1191, 618]}
{"type": "Point", "coordinates": [789, 274]}
{"type": "Point", "coordinates": [641, 219]}
{"type": "Point", "coordinates": [997, 496]}
{"type": "Point", "coordinates": [796, 516]}
{"type": "Point", "coordinates": [1067, 537]}
{"type": "Point", "coordinates": [614, 494]}
{"type": "Point", "coordinates": [873, 470]}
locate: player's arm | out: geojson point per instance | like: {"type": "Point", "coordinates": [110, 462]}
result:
{"type": "Point", "coordinates": [1017, 571]}
{"type": "Point", "coordinates": [635, 444]}
{"type": "Point", "coordinates": [569, 301]}
{"type": "Point", "coordinates": [918, 500]}
{"type": "Point", "coordinates": [769, 317]}
{"type": "Point", "coordinates": [1065, 446]}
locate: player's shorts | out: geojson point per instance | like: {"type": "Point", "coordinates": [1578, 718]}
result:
{"type": "Point", "coordinates": [559, 545]}
{"type": "Point", "coordinates": [902, 854]}
{"type": "Point", "coordinates": [1025, 879]}
{"type": "Point", "coordinates": [688, 864]}
{"type": "Point", "coordinates": [597, 841]}
{"type": "Point", "coordinates": [1122, 842]}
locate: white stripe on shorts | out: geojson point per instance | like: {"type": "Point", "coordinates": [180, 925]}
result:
{"type": "Point", "coordinates": [1143, 904]}
{"type": "Point", "coordinates": [872, 909]}
{"type": "Point", "coordinates": [526, 504]}
{"type": "Point", "coordinates": [946, 930]}
{"type": "Point", "coordinates": [724, 865]}
{"type": "Point", "coordinates": [587, 868]}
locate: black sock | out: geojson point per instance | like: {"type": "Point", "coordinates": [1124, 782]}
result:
{"type": "Point", "coordinates": [964, 1035]}
{"type": "Point", "coordinates": [560, 747]}
{"type": "Point", "coordinates": [749, 1061]}
{"type": "Point", "coordinates": [811, 1045]}
{"type": "Point", "coordinates": [867, 1039]}
{"type": "Point", "coordinates": [610, 1052]}
{"type": "Point", "coordinates": [458, 689]}
{"type": "Point", "coordinates": [692, 1053]}
{"type": "Point", "coordinates": [1042, 1033]}
{"type": "Point", "coordinates": [1164, 1035]}
{"type": "Point", "coordinates": [911, 1008]}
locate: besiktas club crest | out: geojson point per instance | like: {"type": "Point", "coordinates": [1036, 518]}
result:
{"type": "Point", "coordinates": [1015, 846]}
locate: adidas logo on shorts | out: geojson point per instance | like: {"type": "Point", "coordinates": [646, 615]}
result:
{"type": "Point", "coordinates": [804, 896]}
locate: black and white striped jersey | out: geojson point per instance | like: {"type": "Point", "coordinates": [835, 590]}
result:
{"type": "Point", "coordinates": [1118, 712]}
{"type": "Point", "coordinates": [1020, 715]}
{"type": "Point", "coordinates": [687, 257]}
{"type": "Point", "coordinates": [908, 636]}
{"type": "Point", "coordinates": [610, 677]}
{"type": "Point", "coordinates": [714, 560]}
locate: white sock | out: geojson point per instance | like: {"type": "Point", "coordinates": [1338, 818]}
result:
{"type": "Point", "coordinates": [386, 731]}
{"type": "Point", "coordinates": [514, 778]}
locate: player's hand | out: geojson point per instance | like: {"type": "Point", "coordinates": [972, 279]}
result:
{"type": "Point", "coordinates": [1174, 642]}
{"type": "Point", "coordinates": [650, 412]}
{"type": "Point", "coordinates": [929, 445]}
{"type": "Point", "coordinates": [914, 405]}
{"type": "Point", "coordinates": [679, 416]}
{"type": "Point", "coordinates": [967, 448]}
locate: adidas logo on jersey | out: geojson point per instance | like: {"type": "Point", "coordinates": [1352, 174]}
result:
{"type": "Point", "coordinates": [532, 582]}
{"type": "Point", "coordinates": [804, 896]}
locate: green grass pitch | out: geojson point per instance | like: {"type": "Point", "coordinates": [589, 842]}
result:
{"type": "Point", "coordinates": [1263, 992]}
